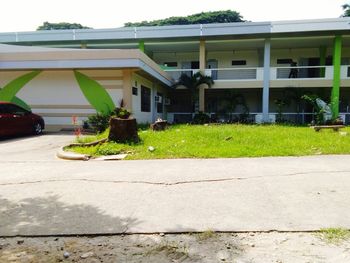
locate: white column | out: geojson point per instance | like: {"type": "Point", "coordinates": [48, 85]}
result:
{"type": "Point", "coordinates": [202, 62]}
{"type": "Point", "coordinates": [153, 103]}
{"type": "Point", "coordinates": [266, 87]}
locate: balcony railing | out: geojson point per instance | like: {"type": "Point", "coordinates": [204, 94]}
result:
{"type": "Point", "coordinates": [302, 72]}
{"type": "Point", "coordinates": [222, 73]}
{"type": "Point", "coordinates": [256, 73]}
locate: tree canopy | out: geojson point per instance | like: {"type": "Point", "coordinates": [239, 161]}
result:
{"type": "Point", "coordinates": [61, 26]}
{"type": "Point", "coordinates": [346, 9]}
{"type": "Point", "coordinates": [227, 16]}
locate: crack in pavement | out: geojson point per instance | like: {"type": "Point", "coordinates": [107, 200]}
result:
{"type": "Point", "coordinates": [172, 183]}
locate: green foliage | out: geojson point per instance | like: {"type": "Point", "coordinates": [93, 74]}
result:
{"type": "Point", "coordinates": [210, 141]}
{"type": "Point", "coordinates": [346, 9]}
{"type": "Point", "coordinates": [121, 113]}
{"type": "Point", "coordinates": [334, 235]}
{"type": "Point", "coordinates": [99, 122]}
{"type": "Point", "coordinates": [280, 103]}
{"type": "Point", "coordinates": [201, 118]}
{"type": "Point", "coordinates": [61, 26]}
{"type": "Point", "coordinates": [109, 148]}
{"type": "Point", "coordinates": [192, 83]}
{"type": "Point", "coordinates": [227, 16]}
{"type": "Point", "coordinates": [319, 111]}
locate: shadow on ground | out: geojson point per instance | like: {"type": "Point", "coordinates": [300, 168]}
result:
{"type": "Point", "coordinates": [49, 216]}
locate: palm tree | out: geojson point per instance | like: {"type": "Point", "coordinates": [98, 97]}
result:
{"type": "Point", "coordinates": [192, 83]}
{"type": "Point", "coordinates": [346, 9]}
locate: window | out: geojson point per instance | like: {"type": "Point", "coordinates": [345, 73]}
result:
{"type": "Point", "coordinates": [170, 64]}
{"type": "Point", "coordinates": [145, 99]}
{"type": "Point", "coordinates": [134, 91]}
{"type": "Point", "coordinates": [284, 61]}
{"type": "Point", "coordinates": [239, 62]}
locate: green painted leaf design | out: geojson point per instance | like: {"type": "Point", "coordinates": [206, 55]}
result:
{"type": "Point", "coordinates": [13, 87]}
{"type": "Point", "coordinates": [19, 102]}
{"type": "Point", "coordinates": [8, 93]}
{"type": "Point", "coordinates": [96, 95]}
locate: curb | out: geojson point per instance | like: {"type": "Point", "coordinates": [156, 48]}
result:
{"type": "Point", "coordinates": [62, 154]}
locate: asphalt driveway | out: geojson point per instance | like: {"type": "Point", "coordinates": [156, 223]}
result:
{"type": "Point", "coordinates": [42, 195]}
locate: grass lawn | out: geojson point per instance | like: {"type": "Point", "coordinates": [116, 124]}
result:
{"type": "Point", "coordinates": [225, 141]}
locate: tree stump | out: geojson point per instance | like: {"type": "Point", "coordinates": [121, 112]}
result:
{"type": "Point", "coordinates": [159, 125]}
{"type": "Point", "coordinates": [123, 130]}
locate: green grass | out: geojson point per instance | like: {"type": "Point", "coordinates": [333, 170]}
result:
{"type": "Point", "coordinates": [334, 235]}
{"type": "Point", "coordinates": [227, 141]}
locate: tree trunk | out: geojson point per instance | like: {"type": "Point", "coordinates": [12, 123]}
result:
{"type": "Point", "coordinates": [123, 130]}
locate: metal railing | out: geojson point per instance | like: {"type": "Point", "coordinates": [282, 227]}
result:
{"type": "Point", "coordinates": [256, 73]}
{"type": "Point", "coordinates": [302, 72]}
{"type": "Point", "coordinates": [221, 73]}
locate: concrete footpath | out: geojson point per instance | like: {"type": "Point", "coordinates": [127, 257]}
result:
{"type": "Point", "coordinates": [41, 195]}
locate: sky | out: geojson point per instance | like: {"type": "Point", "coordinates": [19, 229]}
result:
{"type": "Point", "coordinates": [27, 15]}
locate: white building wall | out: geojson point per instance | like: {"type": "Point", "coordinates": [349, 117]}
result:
{"type": "Point", "coordinates": [56, 96]}
{"type": "Point", "coordinates": [141, 117]}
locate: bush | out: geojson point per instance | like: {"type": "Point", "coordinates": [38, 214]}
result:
{"type": "Point", "coordinates": [99, 122]}
{"type": "Point", "coordinates": [201, 118]}
{"type": "Point", "coordinates": [122, 113]}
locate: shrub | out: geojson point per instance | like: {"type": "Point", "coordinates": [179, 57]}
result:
{"type": "Point", "coordinates": [122, 113]}
{"type": "Point", "coordinates": [201, 118]}
{"type": "Point", "coordinates": [99, 122]}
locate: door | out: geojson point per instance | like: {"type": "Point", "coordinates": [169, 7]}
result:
{"type": "Point", "coordinates": [21, 123]}
{"type": "Point", "coordinates": [5, 124]}
{"type": "Point", "coordinates": [314, 72]}
{"type": "Point", "coordinates": [213, 64]}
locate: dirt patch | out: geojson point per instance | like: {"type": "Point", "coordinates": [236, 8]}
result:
{"type": "Point", "coordinates": [208, 247]}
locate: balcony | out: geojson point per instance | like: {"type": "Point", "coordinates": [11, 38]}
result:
{"type": "Point", "coordinates": [301, 75]}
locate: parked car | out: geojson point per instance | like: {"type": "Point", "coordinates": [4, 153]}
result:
{"type": "Point", "coordinates": [15, 120]}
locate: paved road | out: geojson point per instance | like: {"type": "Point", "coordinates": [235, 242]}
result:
{"type": "Point", "coordinates": [41, 195]}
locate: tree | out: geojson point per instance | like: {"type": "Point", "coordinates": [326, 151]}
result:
{"type": "Point", "coordinates": [192, 83]}
{"type": "Point", "coordinates": [227, 16]}
{"type": "Point", "coordinates": [61, 26]}
{"type": "Point", "coordinates": [346, 9]}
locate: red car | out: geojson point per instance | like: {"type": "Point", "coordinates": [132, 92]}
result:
{"type": "Point", "coordinates": [15, 120]}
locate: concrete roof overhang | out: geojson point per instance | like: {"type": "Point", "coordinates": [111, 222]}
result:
{"type": "Point", "coordinates": [244, 30]}
{"type": "Point", "coordinates": [29, 58]}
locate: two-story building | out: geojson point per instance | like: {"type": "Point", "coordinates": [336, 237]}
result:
{"type": "Point", "coordinates": [260, 70]}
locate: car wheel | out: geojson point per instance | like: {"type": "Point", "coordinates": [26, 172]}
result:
{"type": "Point", "coordinates": [38, 129]}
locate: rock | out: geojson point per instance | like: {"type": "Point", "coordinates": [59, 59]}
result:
{"type": "Point", "coordinates": [162, 234]}
{"type": "Point", "coordinates": [3, 245]}
{"type": "Point", "coordinates": [159, 125]}
{"type": "Point", "coordinates": [21, 254]}
{"type": "Point", "coordinates": [66, 254]}
{"type": "Point", "coordinates": [56, 239]}
{"type": "Point", "coordinates": [87, 255]}
{"type": "Point", "coordinates": [252, 244]}
{"type": "Point", "coordinates": [20, 241]}
{"type": "Point", "coordinates": [223, 255]}
{"type": "Point", "coordinates": [228, 138]}
{"type": "Point", "coordinates": [151, 149]}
